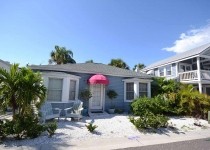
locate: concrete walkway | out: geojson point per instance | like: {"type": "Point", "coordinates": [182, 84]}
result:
{"type": "Point", "coordinates": [117, 143]}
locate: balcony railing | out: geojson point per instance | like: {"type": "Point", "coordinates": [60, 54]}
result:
{"type": "Point", "coordinates": [193, 75]}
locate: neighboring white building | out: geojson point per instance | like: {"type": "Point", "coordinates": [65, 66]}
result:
{"type": "Point", "coordinates": [5, 64]}
{"type": "Point", "coordinates": [191, 67]}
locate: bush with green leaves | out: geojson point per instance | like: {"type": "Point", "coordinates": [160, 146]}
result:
{"type": "Point", "coordinates": [91, 127]}
{"type": "Point", "coordinates": [112, 94]}
{"type": "Point", "coordinates": [162, 85]}
{"type": "Point", "coordinates": [51, 128]}
{"type": "Point", "coordinates": [22, 127]}
{"type": "Point", "coordinates": [145, 105]}
{"type": "Point", "coordinates": [85, 94]}
{"type": "Point", "coordinates": [193, 103]}
{"type": "Point", "coordinates": [2, 130]}
{"type": "Point", "coordinates": [150, 121]}
{"type": "Point", "coordinates": [26, 126]}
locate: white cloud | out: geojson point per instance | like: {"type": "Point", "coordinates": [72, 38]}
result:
{"type": "Point", "coordinates": [191, 39]}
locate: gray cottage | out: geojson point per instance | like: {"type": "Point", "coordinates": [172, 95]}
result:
{"type": "Point", "coordinates": [190, 67]}
{"type": "Point", "coordinates": [65, 82]}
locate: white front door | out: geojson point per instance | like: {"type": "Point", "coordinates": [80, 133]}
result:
{"type": "Point", "coordinates": [96, 101]}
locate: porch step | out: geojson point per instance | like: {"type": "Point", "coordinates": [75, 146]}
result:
{"type": "Point", "coordinates": [98, 114]}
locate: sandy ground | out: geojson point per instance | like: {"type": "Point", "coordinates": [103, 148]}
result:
{"type": "Point", "coordinates": [109, 126]}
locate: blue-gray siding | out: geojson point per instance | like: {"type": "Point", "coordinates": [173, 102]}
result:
{"type": "Point", "coordinates": [115, 83]}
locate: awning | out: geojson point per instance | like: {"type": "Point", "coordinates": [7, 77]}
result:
{"type": "Point", "coordinates": [98, 79]}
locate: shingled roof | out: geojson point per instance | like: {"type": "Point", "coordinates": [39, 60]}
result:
{"type": "Point", "coordinates": [181, 56]}
{"type": "Point", "coordinates": [91, 68]}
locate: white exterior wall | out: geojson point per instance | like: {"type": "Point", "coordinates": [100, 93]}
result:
{"type": "Point", "coordinates": [173, 75]}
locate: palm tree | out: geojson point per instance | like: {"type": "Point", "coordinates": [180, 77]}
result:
{"type": "Point", "coordinates": [19, 88]}
{"type": "Point", "coordinates": [61, 56]}
{"type": "Point", "coordinates": [118, 63]}
{"type": "Point", "coordinates": [9, 87]}
{"type": "Point", "coordinates": [32, 90]}
{"type": "Point", "coordinates": [138, 66]}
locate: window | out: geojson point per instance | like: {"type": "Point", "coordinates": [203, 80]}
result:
{"type": "Point", "coordinates": [188, 68]}
{"type": "Point", "coordinates": [72, 90]}
{"type": "Point", "coordinates": [185, 67]}
{"type": "Point", "coordinates": [161, 70]}
{"type": "Point", "coordinates": [168, 70]}
{"type": "Point", "coordinates": [142, 89]}
{"type": "Point", "coordinates": [130, 91]}
{"type": "Point", "coordinates": [182, 68]}
{"type": "Point", "coordinates": [55, 86]}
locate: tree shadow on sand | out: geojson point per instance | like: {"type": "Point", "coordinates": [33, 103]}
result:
{"type": "Point", "coordinates": [163, 131]}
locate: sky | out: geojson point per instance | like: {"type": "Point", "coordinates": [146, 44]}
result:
{"type": "Point", "coordinates": [137, 31]}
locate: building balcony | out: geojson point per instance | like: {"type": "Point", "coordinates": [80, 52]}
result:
{"type": "Point", "coordinates": [193, 75]}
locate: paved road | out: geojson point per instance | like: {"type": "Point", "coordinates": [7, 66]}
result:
{"type": "Point", "coordinates": [201, 144]}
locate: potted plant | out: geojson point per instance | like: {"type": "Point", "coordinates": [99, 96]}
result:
{"type": "Point", "coordinates": [85, 95]}
{"type": "Point", "coordinates": [112, 95]}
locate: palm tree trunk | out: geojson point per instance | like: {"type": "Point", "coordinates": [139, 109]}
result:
{"type": "Point", "coordinates": [14, 105]}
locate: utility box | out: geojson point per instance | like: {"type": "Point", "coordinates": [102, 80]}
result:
{"type": "Point", "coordinates": [209, 117]}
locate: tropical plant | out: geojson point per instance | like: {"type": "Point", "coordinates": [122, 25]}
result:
{"type": "Point", "coordinates": [32, 91]}
{"type": "Point", "coordinates": [91, 127]}
{"type": "Point", "coordinates": [112, 95]}
{"type": "Point", "coordinates": [51, 128]}
{"type": "Point", "coordinates": [19, 88]}
{"type": "Point", "coordinates": [193, 103]}
{"type": "Point", "coordinates": [61, 56]}
{"type": "Point", "coordinates": [163, 86]}
{"type": "Point", "coordinates": [150, 121]}
{"type": "Point", "coordinates": [118, 63]}
{"type": "Point", "coordinates": [139, 66]}
{"type": "Point", "coordinates": [85, 94]}
{"type": "Point", "coordinates": [9, 87]}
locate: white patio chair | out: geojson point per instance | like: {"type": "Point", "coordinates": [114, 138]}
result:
{"type": "Point", "coordinates": [47, 112]}
{"type": "Point", "coordinates": [75, 111]}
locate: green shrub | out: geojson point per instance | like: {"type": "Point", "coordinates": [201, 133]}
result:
{"type": "Point", "coordinates": [161, 85]}
{"type": "Point", "coordinates": [145, 105]}
{"type": "Point", "coordinates": [22, 127]}
{"type": "Point", "coordinates": [112, 95]}
{"type": "Point", "coordinates": [27, 126]}
{"type": "Point", "coordinates": [150, 121]}
{"type": "Point", "coordinates": [2, 130]}
{"type": "Point", "coordinates": [91, 127]}
{"type": "Point", "coordinates": [51, 128]}
{"type": "Point", "coordinates": [131, 118]}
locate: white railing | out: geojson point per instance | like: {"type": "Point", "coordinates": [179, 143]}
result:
{"type": "Point", "coordinates": [205, 74]}
{"type": "Point", "coordinates": [193, 75]}
{"type": "Point", "coordinates": [188, 76]}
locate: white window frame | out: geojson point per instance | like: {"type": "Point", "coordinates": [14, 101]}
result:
{"type": "Point", "coordinates": [66, 84]}
{"type": "Point", "coordinates": [136, 82]}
